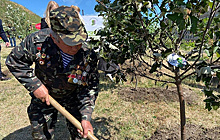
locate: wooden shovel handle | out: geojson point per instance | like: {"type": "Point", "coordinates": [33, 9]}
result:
{"type": "Point", "coordinates": [70, 117]}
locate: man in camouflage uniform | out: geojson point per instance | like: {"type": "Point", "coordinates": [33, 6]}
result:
{"type": "Point", "coordinates": [74, 86]}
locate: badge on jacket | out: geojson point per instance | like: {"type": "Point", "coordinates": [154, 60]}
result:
{"type": "Point", "coordinates": [78, 76]}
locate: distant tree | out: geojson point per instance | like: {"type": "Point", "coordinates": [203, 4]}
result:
{"type": "Point", "coordinates": [18, 19]}
{"type": "Point", "coordinates": [128, 26]}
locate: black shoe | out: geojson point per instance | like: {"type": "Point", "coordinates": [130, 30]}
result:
{"type": "Point", "coordinates": [3, 78]}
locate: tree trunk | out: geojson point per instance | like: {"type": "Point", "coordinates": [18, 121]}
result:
{"type": "Point", "coordinates": [182, 109]}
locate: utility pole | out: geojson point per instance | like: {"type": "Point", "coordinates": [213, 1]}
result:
{"type": "Point", "coordinates": [82, 12]}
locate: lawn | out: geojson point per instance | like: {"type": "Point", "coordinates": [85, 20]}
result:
{"type": "Point", "coordinates": [122, 112]}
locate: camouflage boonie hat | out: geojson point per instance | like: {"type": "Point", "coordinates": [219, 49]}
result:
{"type": "Point", "coordinates": [66, 23]}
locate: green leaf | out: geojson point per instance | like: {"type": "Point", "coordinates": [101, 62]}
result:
{"type": "Point", "coordinates": [162, 25]}
{"type": "Point", "coordinates": [99, 8]}
{"type": "Point", "coordinates": [208, 93]}
{"type": "Point", "coordinates": [217, 33]}
{"type": "Point", "coordinates": [117, 79]}
{"type": "Point", "coordinates": [198, 78]}
{"type": "Point", "coordinates": [215, 49]}
{"type": "Point", "coordinates": [209, 100]}
{"type": "Point", "coordinates": [173, 17]}
{"type": "Point", "coordinates": [218, 74]}
{"type": "Point", "coordinates": [180, 2]}
{"type": "Point", "coordinates": [189, 5]}
{"type": "Point", "coordinates": [194, 22]}
{"type": "Point", "coordinates": [208, 106]}
{"type": "Point", "coordinates": [210, 4]}
{"type": "Point", "coordinates": [147, 4]}
{"type": "Point", "coordinates": [207, 52]}
{"type": "Point", "coordinates": [154, 67]}
{"type": "Point", "coordinates": [181, 23]}
{"type": "Point", "coordinates": [132, 48]}
{"type": "Point", "coordinates": [206, 79]}
{"type": "Point", "coordinates": [206, 71]}
{"type": "Point", "coordinates": [215, 105]}
{"type": "Point", "coordinates": [218, 53]}
{"type": "Point", "coordinates": [166, 53]}
{"type": "Point", "coordinates": [201, 64]}
{"type": "Point", "coordinates": [144, 9]}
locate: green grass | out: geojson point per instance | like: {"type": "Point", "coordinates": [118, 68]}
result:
{"type": "Point", "coordinates": [113, 118]}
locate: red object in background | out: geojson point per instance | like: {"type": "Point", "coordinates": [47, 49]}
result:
{"type": "Point", "coordinates": [38, 26]}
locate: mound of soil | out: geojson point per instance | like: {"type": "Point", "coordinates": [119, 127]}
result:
{"type": "Point", "coordinates": [157, 95]}
{"type": "Point", "coordinates": [193, 132]}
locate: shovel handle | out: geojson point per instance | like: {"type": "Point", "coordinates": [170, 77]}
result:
{"type": "Point", "coordinates": [70, 117]}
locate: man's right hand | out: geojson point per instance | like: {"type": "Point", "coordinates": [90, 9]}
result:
{"type": "Point", "coordinates": [42, 94]}
{"type": "Point", "coordinates": [87, 126]}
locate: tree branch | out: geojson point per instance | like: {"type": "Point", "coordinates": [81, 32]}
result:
{"type": "Point", "coordinates": [185, 76]}
{"type": "Point", "coordinates": [212, 14]}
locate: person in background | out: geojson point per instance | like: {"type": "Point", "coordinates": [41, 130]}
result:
{"type": "Point", "coordinates": [65, 68]}
{"type": "Point", "coordinates": [11, 35]}
{"type": "Point", "coordinates": [76, 7]}
{"type": "Point", "coordinates": [45, 22]}
{"type": "Point", "coordinates": [5, 39]}
{"type": "Point", "coordinates": [78, 11]}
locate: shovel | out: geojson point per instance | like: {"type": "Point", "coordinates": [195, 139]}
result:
{"type": "Point", "coordinates": [70, 117]}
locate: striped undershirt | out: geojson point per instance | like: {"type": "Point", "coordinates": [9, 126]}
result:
{"type": "Point", "coordinates": [66, 58]}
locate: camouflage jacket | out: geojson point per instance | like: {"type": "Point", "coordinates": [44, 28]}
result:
{"type": "Point", "coordinates": [79, 77]}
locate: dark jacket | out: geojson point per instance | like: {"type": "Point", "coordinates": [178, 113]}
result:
{"type": "Point", "coordinates": [40, 49]}
{"type": "Point", "coordinates": [2, 33]}
{"type": "Point", "coordinates": [43, 23]}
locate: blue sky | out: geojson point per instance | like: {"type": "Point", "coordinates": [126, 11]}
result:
{"type": "Point", "coordinates": [39, 6]}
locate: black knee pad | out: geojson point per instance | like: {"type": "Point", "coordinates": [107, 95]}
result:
{"type": "Point", "coordinates": [37, 131]}
{"type": "Point", "coordinates": [40, 131]}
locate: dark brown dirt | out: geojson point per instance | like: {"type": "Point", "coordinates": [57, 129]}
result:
{"type": "Point", "coordinates": [157, 95]}
{"type": "Point", "coordinates": [193, 132]}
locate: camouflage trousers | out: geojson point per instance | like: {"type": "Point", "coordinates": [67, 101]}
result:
{"type": "Point", "coordinates": [43, 118]}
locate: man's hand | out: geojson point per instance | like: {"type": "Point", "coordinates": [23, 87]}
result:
{"type": "Point", "coordinates": [7, 44]}
{"type": "Point", "coordinates": [42, 94]}
{"type": "Point", "coordinates": [86, 125]}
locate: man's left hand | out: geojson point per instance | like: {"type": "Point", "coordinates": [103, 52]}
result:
{"type": "Point", "coordinates": [7, 44]}
{"type": "Point", "coordinates": [86, 125]}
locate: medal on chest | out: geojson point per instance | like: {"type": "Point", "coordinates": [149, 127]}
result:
{"type": "Point", "coordinates": [78, 76]}
{"type": "Point", "coordinates": [43, 57]}
{"type": "Point", "coordinates": [72, 77]}
{"type": "Point", "coordinates": [38, 55]}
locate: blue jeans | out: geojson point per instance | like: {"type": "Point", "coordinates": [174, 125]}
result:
{"type": "Point", "coordinates": [0, 63]}
{"type": "Point", "coordinates": [13, 39]}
